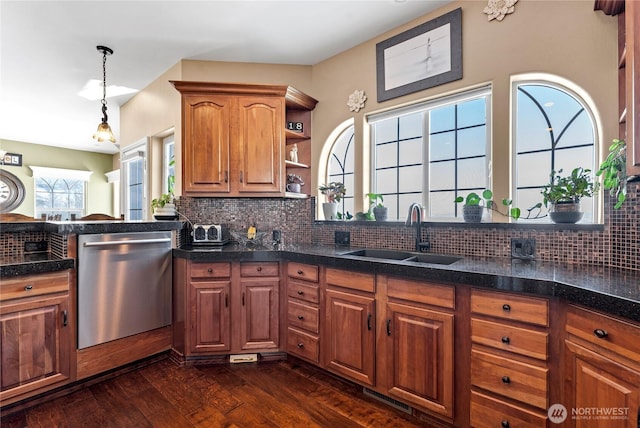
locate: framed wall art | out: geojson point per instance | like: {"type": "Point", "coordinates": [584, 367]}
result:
{"type": "Point", "coordinates": [423, 57]}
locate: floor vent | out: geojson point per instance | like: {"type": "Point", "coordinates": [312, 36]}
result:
{"type": "Point", "coordinates": [387, 400]}
{"type": "Point", "coordinates": [243, 358]}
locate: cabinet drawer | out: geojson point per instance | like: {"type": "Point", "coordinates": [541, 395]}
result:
{"type": "Point", "coordinates": [34, 285]}
{"type": "Point", "coordinates": [302, 271]}
{"type": "Point", "coordinates": [210, 270]}
{"type": "Point", "coordinates": [487, 412]}
{"type": "Point", "coordinates": [531, 310]}
{"type": "Point", "coordinates": [303, 316]}
{"type": "Point", "coordinates": [513, 379]}
{"type": "Point", "coordinates": [303, 345]}
{"type": "Point", "coordinates": [509, 338]}
{"type": "Point", "coordinates": [259, 269]}
{"type": "Point", "coordinates": [421, 292]}
{"type": "Point", "coordinates": [308, 293]}
{"type": "Point", "coordinates": [615, 335]}
{"type": "Point", "coordinates": [353, 280]}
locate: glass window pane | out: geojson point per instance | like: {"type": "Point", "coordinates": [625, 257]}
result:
{"type": "Point", "coordinates": [569, 159]}
{"type": "Point", "coordinates": [472, 113]}
{"type": "Point", "coordinates": [441, 204]}
{"type": "Point", "coordinates": [442, 146]}
{"type": "Point", "coordinates": [442, 119]}
{"type": "Point", "coordinates": [391, 202]}
{"type": "Point", "coordinates": [410, 179]}
{"type": "Point", "coordinates": [472, 174]}
{"type": "Point", "coordinates": [533, 169]}
{"type": "Point", "coordinates": [410, 151]}
{"type": "Point", "coordinates": [442, 176]}
{"type": "Point", "coordinates": [386, 155]}
{"type": "Point", "coordinates": [386, 181]}
{"type": "Point", "coordinates": [580, 132]}
{"type": "Point", "coordinates": [472, 141]}
{"type": "Point", "coordinates": [410, 126]}
{"type": "Point", "coordinates": [386, 130]}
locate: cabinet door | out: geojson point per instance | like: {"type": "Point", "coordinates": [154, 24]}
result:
{"type": "Point", "coordinates": [350, 330]}
{"type": "Point", "coordinates": [260, 314]}
{"type": "Point", "coordinates": [205, 151]}
{"type": "Point", "coordinates": [209, 328]}
{"type": "Point", "coordinates": [260, 143]}
{"type": "Point", "coordinates": [598, 382]}
{"type": "Point", "coordinates": [420, 355]}
{"type": "Point", "coordinates": [35, 345]}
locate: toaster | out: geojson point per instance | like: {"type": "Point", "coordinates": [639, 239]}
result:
{"type": "Point", "coordinates": [212, 234]}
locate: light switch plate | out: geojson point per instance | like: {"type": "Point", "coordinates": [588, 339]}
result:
{"type": "Point", "coordinates": [342, 238]}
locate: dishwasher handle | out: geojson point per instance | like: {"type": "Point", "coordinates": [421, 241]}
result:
{"type": "Point", "coordinates": [125, 242]}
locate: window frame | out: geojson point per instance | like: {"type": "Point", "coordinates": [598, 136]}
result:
{"type": "Point", "coordinates": [132, 152]}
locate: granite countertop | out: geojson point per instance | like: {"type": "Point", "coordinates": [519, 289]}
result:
{"type": "Point", "coordinates": [87, 227]}
{"type": "Point", "coordinates": [29, 264]}
{"type": "Point", "coordinates": [615, 291]}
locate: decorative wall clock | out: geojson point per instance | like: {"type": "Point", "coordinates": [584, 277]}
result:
{"type": "Point", "coordinates": [11, 192]}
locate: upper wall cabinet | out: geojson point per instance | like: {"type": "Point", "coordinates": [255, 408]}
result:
{"type": "Point", "coordinates": [234, 137]}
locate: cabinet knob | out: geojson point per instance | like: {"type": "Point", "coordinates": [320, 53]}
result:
{"type": "Point", "coordinates": [259, 268]}
{"type": "Point", "coordinates": [504, 424]}
{"type": "Point", "coordinates": [506, 307]}
{"type": "Point", "coordinates": [28, 287]}
{"type": "Point", "coordinates": [506, 340]}
{"type": "Point", "coordinates": [300, 345]}
{"type": "Point", "coordinates": [506, 380]}
{"type": "Point", "coordinates": [300, 317]}
{"type": "Point", "coordinates": [300, 292]}
{"type": "Point", "coordinates": [209, 270]}
{"type": "Point", "coordinates": [300, 272]}
{"type": "Point", "coordinates": [600, 333]}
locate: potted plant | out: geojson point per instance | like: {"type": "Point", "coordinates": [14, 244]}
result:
{"type": "Point", "coordinates": [334, 192]}
{"type": "Point", "coordinates": [164, 207]}
{"type": "Point", "coordinates": [379, 210]}
{"type": "Point", "coordinates": [475, 204]}
{"type": "Point", "coordinates": [614, 172]}
{"type": "Point", "coordinates": [294, 183]}
{"type": "Point", "coordinates": [563, 194]}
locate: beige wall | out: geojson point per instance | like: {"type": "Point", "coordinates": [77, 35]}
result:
{"type": "Point", "coordinates": [99, 192]}
{"type": "Point", "coordinates": [565, 38]}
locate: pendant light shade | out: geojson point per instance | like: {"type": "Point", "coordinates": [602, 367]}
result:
{"type": "Point", "coordinates": [104, 132]}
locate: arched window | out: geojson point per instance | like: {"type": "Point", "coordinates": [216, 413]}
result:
{"type": "Point", "coordinates": [555, 129]}
{"type": "Point", "coordinates": [339, 163]}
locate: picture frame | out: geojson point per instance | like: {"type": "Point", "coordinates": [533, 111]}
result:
{"type": "Point", "coordinates": [420, 58]}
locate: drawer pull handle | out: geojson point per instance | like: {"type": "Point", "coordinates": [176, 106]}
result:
{"type": "Point", "coordinates": [300, 345]}
{"type": "Point", "coordinates": [504, 424]}
{"type": "Point", "coordinates": [506, 340]}
{"type": "Point", "coordinates": [300, 292]}
{"type": "Point", "coordinates": [242, 299]}
{"type": "Point", "coordinates": [600, 333]}
{"type": "Point", "coordinates": [506, 307]}
{"type": "Point", "coordinates": [388, 327]}
{"type": "Point", "coordinates": [241, 176]}
{"type": "Point", "coordinates": [226, 300]}
{"type": "Point", "coordinates": [259, 268]}
{"type": "Point", "coordinates": [28, 287]}
{"type": "Point", "coordinates": [300, 317]}
{"type": "Point", "coordinates": [226, 176]}
{"type": "Point", "coordinates": [369, 322]}
{"type": "Point", "coordinates": [65, 320]}
{"type": "Point", "coordinates": [506, 380]}
{"type": "Point", "coordinates": [300, 272]}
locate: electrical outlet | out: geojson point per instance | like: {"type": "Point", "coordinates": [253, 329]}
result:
{"type": "Point", "coordinates": [342, 238]}
{"type": "Point", "coordinates": [36, 246]}
{"type": "Point", "coordinates": [523, 248]}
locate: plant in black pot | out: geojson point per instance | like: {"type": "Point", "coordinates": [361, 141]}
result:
{"type": "Point", "coordinates": [563, 194]}
{"type": "Point", "coordinates": [474, 205]}
{"type": "Point", "coordinates": [614, 172]}
{"type": "Point", "coordinates": [380, 212]}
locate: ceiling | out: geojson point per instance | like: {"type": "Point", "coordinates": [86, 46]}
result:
{"type": "Point", "coordinates": [48, 50]}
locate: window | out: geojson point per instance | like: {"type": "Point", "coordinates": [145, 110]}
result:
{"type": "Point", "coordinates": [341, 165]}
{"type": "Point", "coordinates": [168, 164]}
{"type": "Point", "coordinates": [59, 193]}
{"type": "Point", "coordinates": [134, 182]}
{"type": "Point", "coordinates": [431, 152]}
{"type": "Point", "coordinates": [554, 130]}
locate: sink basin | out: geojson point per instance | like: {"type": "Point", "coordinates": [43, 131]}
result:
{"type": "Point", "coordinates": [381, 254]}
{"type": "Point", "coordinates": [439, 259]}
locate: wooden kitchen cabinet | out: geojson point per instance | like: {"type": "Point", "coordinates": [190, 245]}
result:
{"type": "Point", "coordinates": [259, 313]}
{"type": "Point", "coordinates": [233, 137]}
{"type": "Point", "coordinates": [36, 334]}
{"type": "Point", "coordinates": [303, 311]}
{"type": "Point", "coordinates": [602, 368]}
{"type": "Point", "coordinates": [418, 344]}
{"type": "Point", "coordinates": [350, 325]}
{"type": "Point", "coordinates": [210, 316]}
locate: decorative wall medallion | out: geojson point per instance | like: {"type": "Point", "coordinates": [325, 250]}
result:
{"type": "Point", "coordinates": [11, 192]}
{"type": "Point", "coordinates": [498, 9]}
{"type": "Point", "coordinates": [356, 100]}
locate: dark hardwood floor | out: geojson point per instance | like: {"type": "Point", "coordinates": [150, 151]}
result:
{"type": "Point", "coordinates": [266, 394]}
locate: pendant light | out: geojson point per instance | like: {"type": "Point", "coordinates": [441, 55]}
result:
{"type": "Point", "coordinates": [104, 132]}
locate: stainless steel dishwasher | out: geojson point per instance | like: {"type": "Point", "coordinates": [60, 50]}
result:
{"type": "Point", "coordinates": [124, 285]}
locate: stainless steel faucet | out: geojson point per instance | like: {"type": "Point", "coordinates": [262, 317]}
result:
{"type": "Point", "coordinates": [416, 211]}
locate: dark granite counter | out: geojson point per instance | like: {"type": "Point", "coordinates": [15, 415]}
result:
{"type": "Point", "coordinates": [614, 291]}
{"type": "Point", "coordinates": [29, 264]}
{"type": "Point", "coordinates": [87, 227]}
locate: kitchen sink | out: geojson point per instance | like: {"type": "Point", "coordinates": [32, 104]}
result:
{"type": "Point", "coordinates": [439, 259]}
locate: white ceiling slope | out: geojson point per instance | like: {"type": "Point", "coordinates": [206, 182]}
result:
{"type": "Point", "coordinates": [48, 50]}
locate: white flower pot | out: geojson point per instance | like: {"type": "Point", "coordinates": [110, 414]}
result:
{"type": "Point", "coordinates": [330, 210]}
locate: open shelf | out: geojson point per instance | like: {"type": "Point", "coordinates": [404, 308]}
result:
{"type": "Point", "coordinates": [291, 164]}
{"type": "Point", "coordinates": [295, 195]}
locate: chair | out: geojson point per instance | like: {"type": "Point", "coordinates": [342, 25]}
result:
{"type": "Point", "coordinates": [98, 216]}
